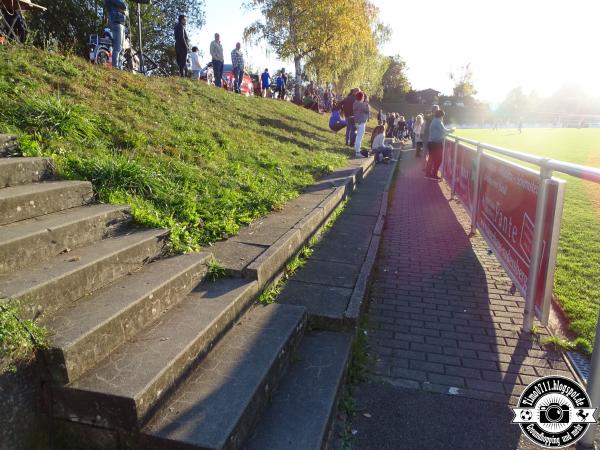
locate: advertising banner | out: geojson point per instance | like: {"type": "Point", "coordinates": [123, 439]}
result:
{"type": "Point", "coordinates": [506, 217]}
{"type": "Point", "coordinates": [448, 166]}
{"type": "Point", "coordinates": [464, 188]}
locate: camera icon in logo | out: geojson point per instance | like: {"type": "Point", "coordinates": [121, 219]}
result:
{"type": "Point", "coordinates": [554, 413]}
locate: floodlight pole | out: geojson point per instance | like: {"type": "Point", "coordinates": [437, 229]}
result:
{"type": "Point", "coordinates": [139, 24]}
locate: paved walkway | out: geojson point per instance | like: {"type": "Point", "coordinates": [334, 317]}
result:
{"type": "Point", "coordinates": [442, 321]}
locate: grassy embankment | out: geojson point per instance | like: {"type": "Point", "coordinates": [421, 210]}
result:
{"type": "Point", "coordinates": [186, 156]}
{"type": "Point", "coordinates": [577, 277]}
{"type": "Point", "coordinates": [193, 158]}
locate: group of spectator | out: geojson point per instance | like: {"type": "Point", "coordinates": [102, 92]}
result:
{"type": "Point", "coordinates": [428, 129]}
{"type": "Point", "coordinates": [355, 109]}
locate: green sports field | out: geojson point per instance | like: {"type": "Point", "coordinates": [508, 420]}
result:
{"type": "Point", "coordinates": [577, 278]}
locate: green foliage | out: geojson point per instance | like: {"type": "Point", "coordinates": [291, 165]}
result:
{"type": "Point", "coordinates": [577, 278]}
{"type": "Point", "coordinates": [19, 339]}
{"type": "Point", "coordinates": [464, 89]}
{"type": "Point", "coordinates": [184, 155]}
{"type": "Point", "coordinates": [395, 82]}
{"type": "Point", "coordinates": [70, 23]}
{"type": "Point", "coordinates": [337, 40]}
{"type": "Point", "coordinates": [215, 270]}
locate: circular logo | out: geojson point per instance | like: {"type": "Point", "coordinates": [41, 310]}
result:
{"type": "Point", "coordinates": [554, 412]}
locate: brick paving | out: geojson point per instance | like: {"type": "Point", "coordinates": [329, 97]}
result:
{"type": "Point", "coordinates": [442, 318]}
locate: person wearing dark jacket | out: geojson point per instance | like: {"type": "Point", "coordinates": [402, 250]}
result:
{"type": "Point", "coordinates": [117, 17]}
{"type": "Point", "coordinates": [182, 45]}
{"type": "Point", "coordinates": [347, 108]}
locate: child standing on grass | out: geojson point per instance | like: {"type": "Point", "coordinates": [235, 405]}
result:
{"type": "Point", "coordinates": [196, 67]}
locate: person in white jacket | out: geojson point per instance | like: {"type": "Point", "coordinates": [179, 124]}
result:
{"type": "Point", "coordinates": [381, 151]}
{"type": "Point", "coordinates": [418, 131]}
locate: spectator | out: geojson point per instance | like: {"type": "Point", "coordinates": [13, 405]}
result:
{"type": "Point", "coordinates": [182, 45]}
{"type": "Point", "coordinates": [335, 121]}
{"type": "Point", "coordinates": [216, 53]}
{"type": "Point", "coordinates": [437, 133]}
{"type": "Point", "coordinates": [418, 135]}
{"type": "Point", "coordinates": [391, 118]}
{"type": "Point", "coordinates": [280, 86]}
{"type": "Point", "coordinates": [307, 100]}
{"type": "Point", "coordinates": [327, 100]}
{"type": "Point", "coordinates": [237, 60]}
{"type": "Point", "coordinates": [348, 110]}
{"type": "Point", "coordinates": [400, 128]}
{"type": "Point", "coordinates": [380, 150]}
{"type": "Point", "coordinates": [117, 16]}
{"type": "Point", "coordinates": [196, 67]}
{"type": "Point", "coordinates": [362, 114]}
{"type": "Point", "coordinates": [426, 124]}
{"type": "Point", "coordinates": [265, 81]}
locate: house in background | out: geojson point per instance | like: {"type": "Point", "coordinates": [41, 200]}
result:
{"type": "Point", "coordinates": [427, 96]}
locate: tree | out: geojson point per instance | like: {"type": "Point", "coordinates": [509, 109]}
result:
{"type": "Point", "coordinates": [464, 89]}
{"type": "Point", "coordinates": [395, 82]}
{"type": "Point", "coordinates": [71, 22]}
{"type": "Point", "coordinates": [316, 33]}
{"type": "Point", "coordinates": [158, 22]}
{"type": "Point", "coordinates": [67, 22]}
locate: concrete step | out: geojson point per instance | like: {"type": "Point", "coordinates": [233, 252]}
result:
{"type": "Point", "coordinates": [88, 330]}
{"type": "Point", "coordinates": [38, 239]}
{"type": "Point", "coordinates": [127, 386]}
{"type": "Point", "coordinates": [43, 288]}
{"type": "Point", "coordinates": [303, 408]}
{"type": "Point", "coordinates": [33, 200]}
{"type": "Point", "coordinates": [221, 401]}
{"type": "Point", "coordinates": [15, 171]}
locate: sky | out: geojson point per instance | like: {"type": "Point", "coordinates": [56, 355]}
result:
{"type": "Point", "coordinates": [538, 45]}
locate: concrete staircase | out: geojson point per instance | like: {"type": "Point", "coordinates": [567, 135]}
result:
{"type": "Point", "coordinates": [146, 352]}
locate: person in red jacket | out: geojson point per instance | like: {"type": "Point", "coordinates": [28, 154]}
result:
{"type": "Point", "coordinates": [348, 109]}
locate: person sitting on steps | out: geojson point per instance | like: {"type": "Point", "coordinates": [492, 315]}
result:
{"type": "Point", "coordinates": [380, 150]}
{"type": "Point", "coordinates": [336, 123]}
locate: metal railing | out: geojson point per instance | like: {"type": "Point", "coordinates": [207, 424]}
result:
{"type": "Point", "coordinates": [546, 168]}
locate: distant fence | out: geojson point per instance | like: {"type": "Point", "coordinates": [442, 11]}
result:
{"type": "Point", "coordinates": [518, 211]}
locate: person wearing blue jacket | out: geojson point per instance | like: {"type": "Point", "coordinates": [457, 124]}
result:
{"type": "Point", "coordinates": [265, 82]}
{"type": "Point", "coordinates": [435, 144]}
{"type": "Point", "coordinates": [336, 123]}
{"type": "Point", "coordinates": [117, 17]}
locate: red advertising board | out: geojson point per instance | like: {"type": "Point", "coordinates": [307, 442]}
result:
{"type": "Point", "coordinates": [448, 167]}
{"type": "Point", "coordinates": [464, 188]}
{"type": "Point", "coordinates": [506, 217]}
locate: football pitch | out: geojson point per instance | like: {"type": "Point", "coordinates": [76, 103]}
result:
{"type": "Point", "coordinates": [577, 277]}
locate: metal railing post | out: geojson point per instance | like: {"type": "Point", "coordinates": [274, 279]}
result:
{"type": "Point", "coordinates": [537, 246]}
{"type": "Point", "coordinates": [593, 390]}
{"type": "Point", "coordinates": [453, 189]}
{"type": "Point", "coordinates": [476, 177]}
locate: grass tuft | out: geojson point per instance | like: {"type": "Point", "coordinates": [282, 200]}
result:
{"type": "Point", "coordinates": [19, 339]}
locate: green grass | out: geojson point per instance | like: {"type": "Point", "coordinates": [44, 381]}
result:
{"type": "Point", "coordinates": [271, 292]}
{"type": "Point", "coordinates": [19, 339]}
{"type": "Point", "coordinates": [577, 277]}
{"type": "Point", "coordinates": [184, 155]}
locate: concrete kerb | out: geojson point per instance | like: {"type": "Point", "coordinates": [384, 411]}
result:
{"type": "Point", "coordinates": [362, 283]}
{"type": "Point", "coordinates": [268, 266]}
